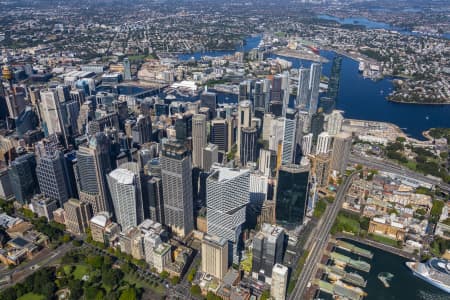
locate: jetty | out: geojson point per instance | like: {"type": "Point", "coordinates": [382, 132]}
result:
{"type": "Point", "coordinates": [341, 290]}
{"type": "Point", "coordinates": [342, 260]}
{"type": "Point", "coordinates": [352, 248]}
{"type": "Point", "coordinates": [336, 273]}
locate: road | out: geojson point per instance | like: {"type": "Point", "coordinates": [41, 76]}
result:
{"type": "Point", "coordinates": [387, 166]}
{"type": "Point", "coordinates": [320, 240]}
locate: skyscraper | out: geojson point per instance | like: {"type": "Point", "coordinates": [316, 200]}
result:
{"type": "Point", "coordinates": [227, 195]}
{"type": "Point", "coordinates": [215, 256]}
{"type": "Point", "coordinates": [154, 200]}
{"type": "Point", "coordinates": [322, 169]}
{"type": "Point", "coordinates": [307, 144]}
{"type": "Point", "coordinates": [334, 122]}
{"type": "Point", "coordinates": [314, 84]}
{"type": "Point", "coordinates": [142, 130]}
{"type": "Point", "coordinates": [126, 194]}
{"type": "Point", "coordinates": [292, 195]}
{"type": "Point", "coordinates": [219, 134]}
{"type": "Point", "coordinates": [342, 146]}
{"type": "Point", "coordinates": [177, 186]}
{"type": "Point", "coordinates": [244, 120]}
{"type": "Point", "coordinates": [210, 156]}
{"type": "Point", "coordinates": [78, 214]}
{"type": "Point", "coordinates": [280, 282]}
{"type": "Point", "coordinates": [126, 69]}
{"type": "Point", "coordinates": [52, 175]}
{"type": "Point", "coordinates": [50, 112]}
{"type": "Point", "coordinates": [323, 143]}
{"type": "Point", "coordinates": [209, 100]}
{"type": "Point", "coordinates": [22, 174]}
{"type": "Point", "coordinates": [199, 139]}
{"type": "Point", "coordinates": [93, 163]}
{"type": "Point", "coordinates": [288, 142]}
{"type": "Point", "coordinates": [303, 91]}
{"type": "Point", "coordinates": [249, 141]}
{"type": "Point", "coordinates": [317, 122]}
{"type": "Point", "coordinates": [268, 250]}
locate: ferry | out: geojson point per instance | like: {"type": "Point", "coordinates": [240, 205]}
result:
{"type": "Point", "coordinates": [435, 271]}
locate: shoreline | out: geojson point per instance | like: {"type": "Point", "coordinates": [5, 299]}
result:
{"type": "Point", "coordinates": [380, 246]}
{"type": "Point", "coordinates": [417, 103]}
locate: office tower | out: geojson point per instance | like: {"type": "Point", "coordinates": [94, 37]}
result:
{"type": "Point", "coordinates": [214, 256]}
{"type": "Point", "coordinates": [288, 141]}
{"type": "Point", "coordinates": [22, 174]}
{"type": "Point", "coordinates": [334, 82]}
{"type": "Point", "coordinates": [323, 143]}
{"type": "Point", "coordinates": [177, 186]}
{"type": "Point", "coordinates": [317, 124]}
{"type": "Point", "coordinates": [243, 91]}
{"type": "Point", "coordinates": [307, 144]}
{"type": "Point", "coordinates": [219, 134]}
{"type": "Point", "coordinates": [267, 213]}
{"type": "Point", "coordinates": [268, 249]}
{"type": "Point", "coordinates": [303, 91]}
{"type": "Point", "coordinates": [267, 160]}
{"type": "Point", "coordinates": [154, 200]}
{"type": "Point", "coordinates": [43, 206]}
{"type": "Point", "coordinates": [210, 156]}
{"type": "Point", "coordinates": [322, 169]}
{"type": "Point", "coordinates": [285, 91]}
{"type": "Point", "coordinates": [259, 100]}
{"type": "Point", "coordinates": [334, 122]}
{"type": "Point", "coordinates": [227, 195]}
{"type": "Point", "coordinates": [183, 127]}
{"type": "Point", "coordinates": [126, 69]}
{"type": "Point", "coordinates": [342, 146]}
{"type": "Point", "coordinates": [314, 84]}
{"type": "Point", "coordinates": [249, 142]}
{"type": "Point", "coordinates": [93, 163]}
{"type": "Point", "coordinates": [244, 121]}
{"type": "Point", "coordinates": [71, 111]}
{"type": "Point", "coordinates": [280, 282]}
{"type": "Point", "coordinates": [209, 100]}
{"type": "Point", "coordinates": [77, 217]}
{"type": "Point", "coordinates": [53, 177]}
{"type": "Point", "coordinates": [126, 194]}
{"type": "Point", "coordinates": [50, 112]}
{"type": "Point", "coordinates": [199, 139]}
{"type": "Point", "coordinates": [326, 104]}
{"type": "Point", "coordinates": [292, 196]}
{"type": "Point", "coordinates": [142, 130]}
{"type": "Point", "coordinates": [16, 103]}
{"type": "Point", "coordinates": [277, 84]}
{"type": "Point", "coordinates": [6, 190]}
{"type": "Point", "coordinates": [258, 189]}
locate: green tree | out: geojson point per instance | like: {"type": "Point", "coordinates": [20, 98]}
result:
{"type": "Point", "coordinates": [129, 294]}
{"type": "Point", "coordinates": [265, 295]}
{"type": "Point", "coordinates": [164, 274]}
{"type": "Point", "coordinates": [175, 280]}
{"type": "Point", "coordinates": [196, 290]}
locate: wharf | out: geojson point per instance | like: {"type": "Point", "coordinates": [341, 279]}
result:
{"type": "Point", "coordinates": [345, 260]}
{"type": "Point", "coordinates": [341, 290]}
{"type": "Point", "coordinates": [336, 273]}
{"type": "Point", "coordinates": [352, 248]}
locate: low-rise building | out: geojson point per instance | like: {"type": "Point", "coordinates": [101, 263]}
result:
{"type": "Point", "coordinates": [162, 256]}
{"type": "Point", "coordinates": [43, 206]}
{"type": "Point", "coordinates": [386, 227]}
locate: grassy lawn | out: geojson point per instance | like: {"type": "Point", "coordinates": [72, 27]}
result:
{"type": "Point", "coordinates": [80, 271]}
{"type": "Point", "coordinates": [411, 165]}
{"type": "Point", "coordinates": [31, 296]}
{"type": "Point", "coordinates": [384, 240]}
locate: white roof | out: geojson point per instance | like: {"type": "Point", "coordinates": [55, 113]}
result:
{"type": "Point", "coordinates": [122, 176]}
{"type": "Point", "coordinates": [100, 220]}
{"type": "Point", "coordinates": [229, 173]}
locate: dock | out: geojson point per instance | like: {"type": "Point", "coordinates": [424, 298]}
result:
{"type": "Point", "coordinates": [341, 290]}
{"type": "Point", "coordinates": [352, 248]}
{"type": "Point", "coordinates": [341, 259]}
{"type": "Point", "coordinates": [335, 273]}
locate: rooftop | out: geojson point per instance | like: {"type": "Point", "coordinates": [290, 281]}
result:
{"type": "Point", "coordinates": [122, 176]}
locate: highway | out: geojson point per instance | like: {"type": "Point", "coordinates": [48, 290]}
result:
{"type": "Point", "coordinates": [387, 166]}
{"type": "Point", "coordinates": [319, 242]}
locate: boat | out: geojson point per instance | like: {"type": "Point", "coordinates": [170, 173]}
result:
{"type": "Point", "coordinates": [435, 271]}
{"type": "Point", "coordinates": [385, 277]}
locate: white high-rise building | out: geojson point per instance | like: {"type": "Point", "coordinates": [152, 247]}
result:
{"type": "Point", "coordinates": [244, 120]}
{"type": "Point", "coordinates": [199, 139]}
{"type": "Point", "coordinates": [125, 188]}
{"type": "Point", "coordinates": [50, 112]}
{"type": "Point", "coordinates": [307, 144]}
{"type": "Point", "coordinates": [287, 154]}
{"type": "Point", "coordinates": [314, 84]}
{"type": "Point", "coordinates": [215, 256]}
{"type": "Point", "coordinates": [277, 133]}
{"type": "Point", "coordinates": [151, 241]}
{"type": "Point", "coordinates": [342, 146]}
{"type": "Point", "coordinates": [265, 163]}
{"type": "Point", "coordinates": [259, 184]}
{"type": "Point", "coordinates": [303, 90]}
{"type": "Point", "coordinates": [267, 126]}
{"type": "Point", "coordinates": [285, 89]}
{"type": "Point", "coordinates": [323, 143]}
{"type": "Point", "coordinates": [227, 196]}
{"type": "Point", "coordinates": [334, 122]}
{"type": "Point", "coordinates": [279, 282]}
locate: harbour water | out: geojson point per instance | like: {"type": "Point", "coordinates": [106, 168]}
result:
{"type": "Point", "coordinates": [404, 285]}
{"type": "Point", "coordinates": [361, 98]}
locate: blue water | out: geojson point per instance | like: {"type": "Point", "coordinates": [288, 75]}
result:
{"type": "Point", "coordinates": [250, 43]}
{"type": "Point", "coordinates": [369, 24]}
{"type": "Point", "coordinates": [365, 99]}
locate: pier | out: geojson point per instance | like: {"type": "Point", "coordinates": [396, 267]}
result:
{"type": "Point", "coordinates": [335, 273]}
{"type": "Point", "coordinates": [352, 248]}
{"type": "Point", "coordinates": [341, 259]}
{"type": "Point", "coordinates": [341, 290]}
